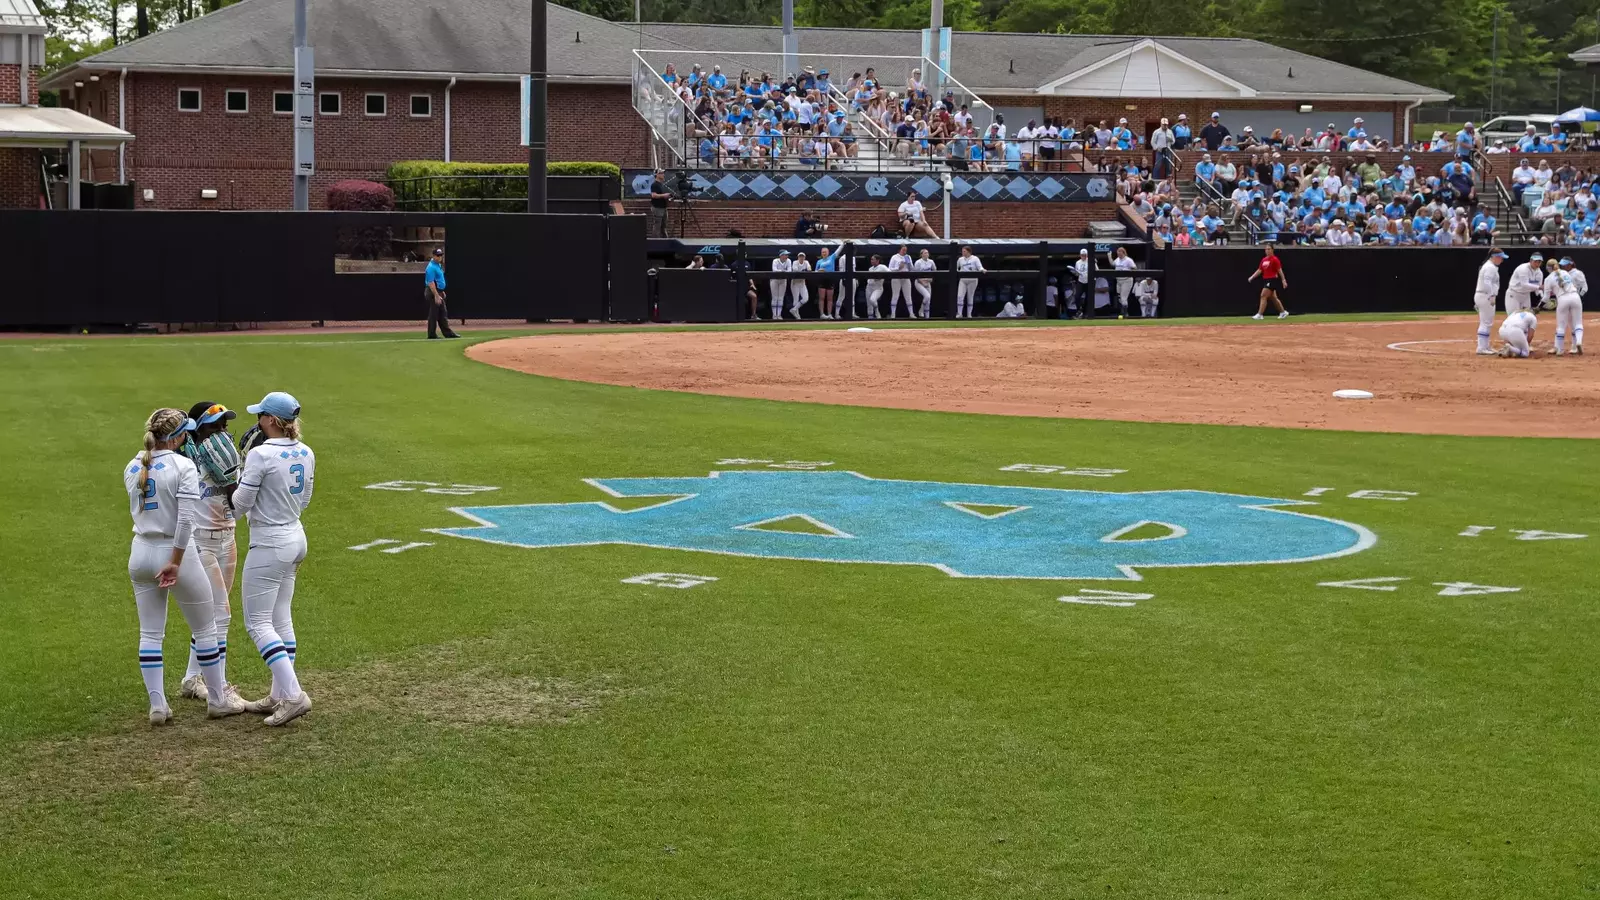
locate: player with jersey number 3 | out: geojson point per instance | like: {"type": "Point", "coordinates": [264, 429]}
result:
{"type": "Point", "coordinates": [1270, 271]}
{"type": "Point", "coordinates": [163, 490]}
{"type": "Point", "coordinates": [274, 489]}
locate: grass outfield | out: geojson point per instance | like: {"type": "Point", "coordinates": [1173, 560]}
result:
{"type": "Point", "coordinates": [502, 721]}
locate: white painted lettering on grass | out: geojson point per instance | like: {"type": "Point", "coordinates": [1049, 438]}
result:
{"type": "Point", "coordinates": [1475, 530]}
{"type": "Point", "coordinates": [377, 543]}
{"type": "Point", "coordinates": [432, 487]}
{"type": "Point", "coordinates": [1383, 583]}
{"type": "Point", "coordinates": [404, 547]}
{"type": "Point", "coordinates": [1537, 535]}
{"type": "Point", "coordinates": [384, 542]}
{"type": "Point", "coordinates": [1467, 588]}
{"type": "Point", "coordinates": [1382, 495]}
{"type": "Point", "coordinates": [1086, 471]}
{"type": "Point", "coordinates": [670, 580]}
{"type": "Point", "coordinates": [1097, 597]}
{"type": "Point", "coordinates": [793, 465]}
{"type": "Point", "coordinates": [1317, 492]}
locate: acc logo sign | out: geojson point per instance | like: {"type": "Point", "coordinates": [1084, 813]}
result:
{"type": "Point", "coordinates": [964, 530]}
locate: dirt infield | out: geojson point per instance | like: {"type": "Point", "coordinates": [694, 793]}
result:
{"type": "Point", "coordinates": [1423, 374]}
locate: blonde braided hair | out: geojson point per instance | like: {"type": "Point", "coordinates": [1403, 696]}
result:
{"type": "Point", "coordinates": [162, 421]}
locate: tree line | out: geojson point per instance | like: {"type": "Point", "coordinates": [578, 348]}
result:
{"type": "Point", "coordinates": [1446, 44]}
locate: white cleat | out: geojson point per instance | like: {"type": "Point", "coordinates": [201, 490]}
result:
{"type": "Point", "coordinates": [193, 688]}
{"type": "Point", "coordinates": [1284, 314]}
{"type": "Point", "coordinates": [232, 705]}
{"type": "Point", "coordinates": [290, 709]}
{"type": "Point", "coordinates": [1487, 352]}
{"type": "Point", "coordinates": [1258, 317]}
{"type": "Point", "coordinates": [265, 706]}
{"type": "Point", "coordinates": [160, 715]}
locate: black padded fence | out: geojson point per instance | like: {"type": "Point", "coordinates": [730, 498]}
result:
{"type": "Point", "coordinates": [105, 267]}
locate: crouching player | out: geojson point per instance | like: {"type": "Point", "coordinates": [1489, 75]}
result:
{"type": "Point", "coordinates": [1516, 333]}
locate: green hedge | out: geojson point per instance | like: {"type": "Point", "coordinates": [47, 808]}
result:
{"type": "Point", "coordinates": [423, 168]}
{"type": "Point", "coordinates": [469, 194]}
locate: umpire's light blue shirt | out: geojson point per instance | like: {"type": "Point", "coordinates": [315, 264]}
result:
{"type": "Point", "coordinates": [435, 275]}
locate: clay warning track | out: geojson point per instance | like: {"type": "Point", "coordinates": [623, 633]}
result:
{"type": "Point", "coordinates": [1254, 373]}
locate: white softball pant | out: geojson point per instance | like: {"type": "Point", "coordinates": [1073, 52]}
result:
{"type": "Point", "coordinates": [1124, 290]}
{"type": "Point", "coordinates": [1485, 305]}
{"type": "Point", "coordinates": [925, 288]}
{"type": "Point", "coordinates": [1515, 338]}
{"type": "Point", "coordinates": [898, 288]}
{"type": "Point", "coordinates": [965, 289]}
{"type": "Point", "coordinates": [219, 556]}
{"type": "Point", "coordinates": [874, 293]}
{"type": "Point", "coordinates": [799, 295]}
{"type": "Point", "coordinates": [777, 286]}
{"type": "Point", "coordinates": [1516, 301]}
{"type": "Point", "coordinates": [268, 589]}
{"type": "Point", "coordinates": [1569, 318]}
{"type": "Point", "coordinates": [193, 593]}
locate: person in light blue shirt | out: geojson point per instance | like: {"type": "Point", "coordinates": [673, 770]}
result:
{"type": "Point", "coordinates": [1278, 171]}
{"type": "Point", "coordinates": [433, 286]}
{"type": "Point", "coordinates": [717, 81]}
{"type": "Point", "coordinates": [824, 84]}
{"type": "Point", "coordinates": [1315, 194]}
{"type": "Point", "coordinates": [708, 151]}
{"type": "Point", "coordinates": [1182, 136]}
{"type": "Point", "coordinates": [1013, 156]}
{"type": "Point", "coordinates": [1529, 142]}
{"type": "Point", "coordinates": [1210, 223]}
{"type": "Point", "coordinates": [1466, 140]}
{"type": "Point", "coordinates": [1395, 209]}
{"type": "Point", "coordinates": [1205, 169]}
{"type": "Point", "coordinates": [1482, 218]}
{"type": "Point", "coordinates": [1121, 136]}
{"type": "Point", "coordinates": [1406, 170]}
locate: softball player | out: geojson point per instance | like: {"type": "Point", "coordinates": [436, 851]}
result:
{"type": "Point", "coordinates": [1526, 280]}
{"type": "Point", "coordinates": [966, 287]}
{"type": "Point", "coordinates": [1123, 262]}
{"type": "Point", "coordinates": [875, 286]}
{"type": "Point", "coordinates": [900, 262]}
{"type": "Point", "coordinates": [211, 449]}
{"type": "Point", "coordinates": [1570, 288]}
{"type": "Point", "coordinates": [799, 294]}
{"type": "Point", "coordinates": [1484, 296]}
{"type": "Point", "coordinates": [777, 286]}
{"type": "Point", "coordinates": [925, 263]}
{"type": "Point", "coordinates": [1516, 333]}
{"type": "Point", "coordinates": [163, 489]}
{"type": "Point", "coordinates": [1149, 294]}
{"type": "Point", "coordinates": [274, 490]}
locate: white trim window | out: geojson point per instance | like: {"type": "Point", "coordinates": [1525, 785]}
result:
{"type": "Point", "coordinates": [236, 101]}
{"type": "Point", "coordinates": [283, 103]}
{"type": "Point", "coordinates": [188, 99]}
{"type": "Point", "coordinates": [376, 105]}
{"type": "Point", "coordinates": [421, 106]}
{"type": "Point", "coordinates": [330, 103]}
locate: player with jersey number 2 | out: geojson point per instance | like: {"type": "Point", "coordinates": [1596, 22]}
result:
{"type": "Point", "coordinates": [163, 489]}
{"type": "Point", "coordinates": [274, 489]}
{"type": "Point", "coordinates": [1270, 271]}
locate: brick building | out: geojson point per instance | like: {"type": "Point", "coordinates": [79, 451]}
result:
{"type": "Point", "coordinates": [406, 79]}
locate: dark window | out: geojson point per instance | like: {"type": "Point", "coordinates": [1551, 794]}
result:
{"type": "Point", "coordinates": [328, 104]}
{"type": "Point", "coordinates": [377, 104]}
{"type": "Point", "coordinates": [421, 105]}
{"type": "Point", "coordinates": [238, 101]}
{"type": "Point", "coordinates": [282, 102]}
{"type": "Point", "coordinates": [189, 99]}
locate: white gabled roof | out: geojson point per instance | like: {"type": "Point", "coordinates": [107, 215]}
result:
{"type": "Point", "coordinates": [1145, 69]}
{"type": "Point", "coordinates": [46, 126]}
{"type": "Point", "coordinates": [21, 15]}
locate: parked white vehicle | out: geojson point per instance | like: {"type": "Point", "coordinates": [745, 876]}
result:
{"type": "Point", "coordinates": [1511, 128]}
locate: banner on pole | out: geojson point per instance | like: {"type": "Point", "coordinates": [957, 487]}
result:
{"type": "Point", "coordinates": [527, 108]}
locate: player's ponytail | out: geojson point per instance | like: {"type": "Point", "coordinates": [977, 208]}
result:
{"type": "Point", "coordinates": [291, 428]}
{"type": "Point", "coordinates": [162, 421]}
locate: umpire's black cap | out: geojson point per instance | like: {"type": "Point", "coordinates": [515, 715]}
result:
{"type": "Point", "coordinates": [205, 412]}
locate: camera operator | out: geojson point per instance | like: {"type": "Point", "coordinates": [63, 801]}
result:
{"type": "Point", "coordinates": [659, 198]}
{"type": "Point", "coordinates": [809, 226]}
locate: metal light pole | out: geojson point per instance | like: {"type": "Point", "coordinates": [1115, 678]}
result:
{"type": "Point", "coordinates": [936, 20]}
{"type": "Point", "coordinates": [538, 76]}
{"type": "Point", "coordinates": [305, 111]}
{"type": "Point", "coordinates": [791, 44]}
{"type": "Point", "coordinates": [1494, 66]}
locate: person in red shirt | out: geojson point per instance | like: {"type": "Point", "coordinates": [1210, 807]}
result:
{"type": "Point", "coordinates": [1270, 271]}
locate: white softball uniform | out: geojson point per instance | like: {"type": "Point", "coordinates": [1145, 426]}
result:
{"type": "Point", "coordinates": [1484, 296]}
{"type": "Point", "coordinates": [163, 518]}
{"type": "Point", "coordinates": [1525, 279]}
{"type": "Point", "coordinates": [874, 291]}
{"type": "Point", "coordinates": [1570, 285]}
{"type": "Point", "coordinates": [1149, 294]}
{"type": "Point", "coordinates": [1124, 285]}
{"type": "Point", "coordinates": [966, 287]}
{"type": "Point", "coordinates": [900, 262]}
{"type": "Point", "coordinates": [925, 285]}
{"type": "Point", "coordinates": [274, 488]}
{"type": "Point", "coordinates": [1517, 331]}
{"type": "Point", "coordinates": [799, 294]}
{"type": "Point", "coordinates": [219, 556]}
{"type": "Point", "coordinates": [779, 285]}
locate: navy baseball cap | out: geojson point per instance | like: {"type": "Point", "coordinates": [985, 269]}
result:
{"type": "Point", "coordinates": [277, 403]}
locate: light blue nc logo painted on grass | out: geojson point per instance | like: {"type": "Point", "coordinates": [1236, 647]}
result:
{"type": "Point", "coordinates": [964, 530]}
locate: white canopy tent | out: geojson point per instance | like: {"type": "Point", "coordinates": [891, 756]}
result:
{"type": "Point", "coordinates": [54, 128]}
